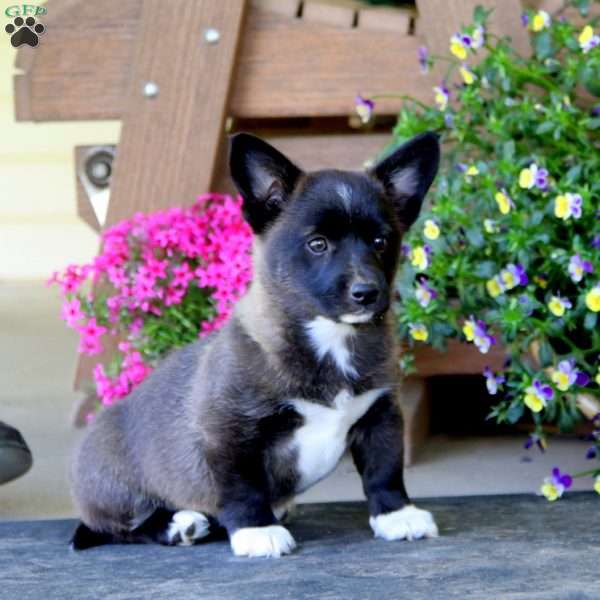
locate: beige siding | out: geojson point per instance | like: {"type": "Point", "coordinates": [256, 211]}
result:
{"type": "Point", "coordinates": [39, 229]}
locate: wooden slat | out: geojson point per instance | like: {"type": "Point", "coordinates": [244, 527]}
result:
{"type": "Point", "coordinates": [169, 143]}
{"type": "Point", "coordinates": [460, 359]}
{"type": "Point", "coordinates": [311, 152]}
{"type": "Point", "coordinates": [286, 67]}
{"type": "Point", "coordinates": [85, 211]}
{"type": "Point", "coordinates": [299, 69]}
{"type": "Point", "coordinates": [386, 19]}
{"type": "Point", "coordinates": [287, 8]}
{"type": "Point", "coordinates": [328, 151]}
{"type": "Point", "coordinates": [329, 14]}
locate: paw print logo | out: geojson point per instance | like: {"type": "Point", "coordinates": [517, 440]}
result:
{"type": "Point", "coordinates": [24, 32]}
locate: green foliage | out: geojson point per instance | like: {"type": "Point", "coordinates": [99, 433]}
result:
{"type": "Point", "coordinates": [505, 237]}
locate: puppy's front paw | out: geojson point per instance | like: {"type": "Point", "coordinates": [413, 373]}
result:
{"type": "Point", "coordinates": [408, 523]}
{"type": "Point", "coordinates": [270, 541]}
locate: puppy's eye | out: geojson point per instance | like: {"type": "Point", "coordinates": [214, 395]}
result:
{"type": "Point", "coordinates": [317, 245]}
{"type": "Point", "coordinates": [380, 244]}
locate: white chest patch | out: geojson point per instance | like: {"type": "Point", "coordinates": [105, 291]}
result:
{"type": "Point", "coordinates": [321, 441]}
{"type": "Point", "coordinates": [329, 337]}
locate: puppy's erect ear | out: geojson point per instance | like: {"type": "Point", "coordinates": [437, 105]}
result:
{"type": "Point", "coordinates": [263, 176]}
{"type": "Point", "coordinates": [407, 173]}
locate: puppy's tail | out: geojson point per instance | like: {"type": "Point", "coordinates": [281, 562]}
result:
{"type": "Point", "coordinates": [85, 538]}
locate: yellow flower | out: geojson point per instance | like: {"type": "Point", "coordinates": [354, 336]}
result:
{"type": "Point", "coordinates": [458, 48]}
{"type": "Point", "coordinates": [557, 308]}
{"type": "Point", "coordinates": [597, 378]}
{"type": "Point", "coordinates": [472, 171]}
{"type": "Point", "coordinates": [431, 230]}
{"type": "Point", "coordinates": [493, 287]}
{"type": "Point", "coordinates": [469, 330]}
{"type": "Point", "coordinates": [597, 484]}
{"type": "Point", "coordinates": [549, 490]}
{"type": "Point", "coordinates": [508, 279]}
{"type": "Point", "coordinates": [526, 179]}
{"type": "Point", "coordinates": [503, 201]}
{"type": "Point", "coordinates": [419, 258]}
{"type": "Point", "coordinates": [441, 97]}
{"type": "Point", "coordinates": [419, 332]}
{"type": "Point", "coordinates": [561, 207]}
{"type": "Point", "coordinates": [490, 226]}
{"type": "Point", "coordinates": [592, 299]}
{"type": "Point", "coordinates": [541, 282]}
{"type": "Point", "coordinates": [561, 379]}
{"type": "Point", "coordinates": [540, 21]}
{"type": "Point", "coordinates": [587, 33]}
{"type": "Point", "coordinates": [533, 401]}
{"type": "Point", "coordinates": [467, 75]}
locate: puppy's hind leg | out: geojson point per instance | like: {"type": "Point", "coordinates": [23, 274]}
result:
{"type": "Point", "coordinates": [185, 527]}
{"type": "Point", "coordinates": [163, 526]}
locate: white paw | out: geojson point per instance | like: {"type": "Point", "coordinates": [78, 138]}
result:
{"type": "Point", "coordinates": [271, 541]}
{"type": "Point", "coordinates": [408, 523]}
{"type": "Point", "coordinates": [186, 527]}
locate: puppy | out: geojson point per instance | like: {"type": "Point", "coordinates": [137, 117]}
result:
{"type": "Point", "coordinates": [227, 430]}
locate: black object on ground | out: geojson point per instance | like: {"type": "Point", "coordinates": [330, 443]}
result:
{"type": "Point", "coordinates": [15, 456]}
{"type": "Point", "coordinates": [490, 547]}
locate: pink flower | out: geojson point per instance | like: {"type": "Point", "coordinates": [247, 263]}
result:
{"type": "Point", "coordinates": [150, 262]}
{"type": "Point", "coordinates": [91, 329]}
{"type": "Point", "coordinates": [71, 312]}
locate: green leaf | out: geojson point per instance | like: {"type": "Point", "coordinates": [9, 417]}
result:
{"type": "Point", "coordinates": [475, 237]}
{"type": "Point", "coordinates": [545, 127]}
{"type": "Point", "coordinates": [546, 354]}
{"type": "Point", "coordinates": [542, 43]}
{"type": "Point", "coordinates": [480, 15]}
{"type": "Point", "coordinates": [515, 411]}
{"type": "Point", "coordinates": [590, 78]}
{"type": "Point", "coordinates": [572, 175]}
{"type": "Point", "coordinates": [593, 123]}
{"type": "Point", "coordinates": [486, 269]}
{"type": "Point", "coordinates": [508, 150]}
{"type": "Point", "coordinates": [583, 6]}
{"type": "Point", "coordinates": [590, 321]}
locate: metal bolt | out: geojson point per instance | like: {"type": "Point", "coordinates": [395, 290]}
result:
{"type": "Point", "coordinates": [100, 170]}
{"type": "Point", "coordinates": [150, 89]}
{"type": "Point", "coordinates": [212, 35]}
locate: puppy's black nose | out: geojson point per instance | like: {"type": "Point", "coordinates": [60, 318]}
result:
{"type": "Point", "coordinates": [364, 293]}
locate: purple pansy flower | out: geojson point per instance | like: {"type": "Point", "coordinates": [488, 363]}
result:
{"type": "Point", "coordinates": [442, 95]}
{"type": "Point", "coordinates": [561, 479]}
{"type": "Point", "coordinates": [578, 268]}
{"type": "Point", "coordinates": [424, 293]}
{"type": "Point", "coordinates": [591, 453]}
{"type": "Point", "coordinates": [596, 242]}
{"type": "Point", "coordinates": [536, 439]}
{"type": "Point", "coordinates": [566, 374]}
{"type": "Point", "coordinates": [492, 382]}
{"type": "Point", "coordinates": [524, 19]}
{"type": "Point", "coordinates": [476, 332]}
{"type": "Point", "coordinates": [423, 59]}
{"type": "Point", "coordinates": [364, 108]}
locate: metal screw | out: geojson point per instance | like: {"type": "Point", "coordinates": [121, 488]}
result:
{"type": "Point", "coordinates": [212, 35]}
{"type": "Point", "coordinates": [150, 89]}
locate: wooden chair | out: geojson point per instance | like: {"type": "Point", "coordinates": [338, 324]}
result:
{"type": "Point", "coordinates": [179, 75]}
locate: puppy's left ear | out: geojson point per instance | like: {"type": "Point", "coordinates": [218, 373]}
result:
{"type": "Point", "coordinates": [407, 173]}
{"type": "Point", "coordinates": [264, 177]}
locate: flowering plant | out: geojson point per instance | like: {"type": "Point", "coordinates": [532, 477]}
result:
{"type": "Point", "coordinates": [160, 281]}
{"type": "Point", "coordinates": [508, 252]}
